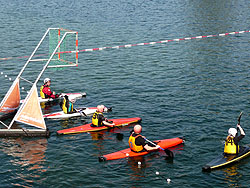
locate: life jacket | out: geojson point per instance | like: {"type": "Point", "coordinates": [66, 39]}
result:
{"type": "Point", "coordinates": [132, 144]}
{"type": "Point", "coordinates": [230, 146]}
{"type": "Point", "coordinates": [67, 109]}
{"type": "Point", "coordinates": [42, 94]}
{"type": "Point", "coordinates": [95, 119]}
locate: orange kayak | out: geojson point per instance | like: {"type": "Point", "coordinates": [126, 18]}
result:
{"type": "Point", "coordinates": [166, 143]}
{"type": "Point", "coordinates": [88, 128]}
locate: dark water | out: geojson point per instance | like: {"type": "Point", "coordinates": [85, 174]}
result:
{"type": "Point", "coordinates": [193, 88]}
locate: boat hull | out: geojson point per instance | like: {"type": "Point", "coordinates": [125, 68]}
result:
{"type": "Point", "coordinates": [75, 95]}
{"type": "Point", "coordinates": [166, 143]}
{"type": "Point", "coordinates": [85, 111]}
{"type": "Point", "coordinates": [88, 128]}
{"type": "Point", "coordinates": [222, 160]}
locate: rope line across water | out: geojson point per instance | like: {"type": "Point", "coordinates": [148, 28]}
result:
{"type": "Point", "coordinates": [139, 44]}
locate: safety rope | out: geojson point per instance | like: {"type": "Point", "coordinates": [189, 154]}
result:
{"type": "Point", "coordinates": [140, 44]}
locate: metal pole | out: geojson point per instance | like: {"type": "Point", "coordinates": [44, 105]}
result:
{"type": "Point", "coordinates": [46, 65]}
{"type": "Point", "coordinates": [20, 73]}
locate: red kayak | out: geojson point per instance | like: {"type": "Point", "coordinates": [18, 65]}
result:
{"type": "Point", "coordinates": [166, 143]}
{"type": "Point", "coordinates": [88, 128]}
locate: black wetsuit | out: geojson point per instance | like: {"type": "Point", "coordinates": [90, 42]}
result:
{"type": "Point", "coordinates": [237, 139]}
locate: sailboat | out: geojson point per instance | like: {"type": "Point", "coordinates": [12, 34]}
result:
{"type": "Point", "coordinates": [29, 113]}
{"type": "Point", "coordinates": [11, 101]}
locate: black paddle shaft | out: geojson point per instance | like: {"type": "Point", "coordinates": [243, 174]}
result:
{"type": "Point", "coordinates": [167, 151]}
{"type": "Point", "coordinates": [239, 118]}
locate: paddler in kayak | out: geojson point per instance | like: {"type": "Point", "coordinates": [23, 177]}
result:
{"type": "Point", "coordinates": [98, 118]}
{"type": "Point", "coordinates": [232, 141]}
{"type": "Point", "coordinates": [67, 104]}
{"type": "Point", "coordinates": [45, 91]}
{"type": "Point", "coordinates": [137, 142]}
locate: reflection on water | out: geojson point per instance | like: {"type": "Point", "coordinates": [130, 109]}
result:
{"type": "Point", "coordinates": [141, 164]}
{"type": "Point", "coordinates": [47, 106]}
{"type": "Point", "coordinates": [97, 135]}
{"type": "Point", "coordinates": [138, 166]}
{"type": "Point", "coordinates": [105, 134]}
{"type": "Point", "coordinates": [71, 122]}
{"type": "Point", "coordinates": [232, 176]}
{"type": "Point", "coordinates": [28, 154]}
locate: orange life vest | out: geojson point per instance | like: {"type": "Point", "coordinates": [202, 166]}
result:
{"type": "Point", "coordinates": [132, 144]}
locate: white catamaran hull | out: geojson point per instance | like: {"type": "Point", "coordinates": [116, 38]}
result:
{"type": "Point", "coordinates": [76, 96]}
{"type": "Point", "coordinates": [86, 111]}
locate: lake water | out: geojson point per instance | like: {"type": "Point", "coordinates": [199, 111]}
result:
{"type": "Point", "coordinates": [195, 88]}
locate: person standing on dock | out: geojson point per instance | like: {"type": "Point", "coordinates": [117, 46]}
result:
{"type": "Point", "coordinates": [137, 142]}
{"type": "Point", "coordinates": [45, 91]}
{"type": "Point", "coordinates": [232, 140]}
{"type": "Point", "coordinates": [98, 118]}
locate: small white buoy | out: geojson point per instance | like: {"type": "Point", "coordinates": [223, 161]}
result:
{"type": "Point", "coordinates": [6, 76]}
{"type": "Point", "coordinates": [1, 72]}
{"type": "Point", "coordinates": [9, 78]}
{"type": "Point", "coordinates": [22, 88]}
{"type": "Point", "coordinates": [139, 164]}
{"type": "Point", "coordinates": [157, 173]}
{"type": "Point", "coordinates": [168, 180]}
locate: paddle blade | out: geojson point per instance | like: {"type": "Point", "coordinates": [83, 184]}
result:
{"type": "Point", "coordinates": [119, 136]}
{"type": "Point", "coordinates": [170, 154]}
{"type": "Point", "coordinates": [239, 118]}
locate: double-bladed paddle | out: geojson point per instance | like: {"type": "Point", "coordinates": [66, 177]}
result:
{"type": "Point", "coordinates": [169, 153]}
{"type": "Point", "coordinates": [239, 121]}
{"type": "Point", "coordinates": [239, 118]}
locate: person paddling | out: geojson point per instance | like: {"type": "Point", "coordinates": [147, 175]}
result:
{"type": "Point", "coordinates": [98, 118]}
{"type": "Point", "coordinates": [45, 91]}
{"type": "Point", "coordinates": [137, 142]}
{"type": "Point", "coordinates": [67, 104]}
{"type": "Point", "coordinates": [232, 141]}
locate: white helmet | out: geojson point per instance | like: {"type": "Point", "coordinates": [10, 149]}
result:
{"type": "Point", "coordinates": [72, 99]}
{"type": "Point", "coordinates": [100, 108]}
{"type": "Point", "coordinates": [46, 80]}
{"type": "Point", "coordinates": [232, 131]}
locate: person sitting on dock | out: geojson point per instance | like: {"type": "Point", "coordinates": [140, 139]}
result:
{"type": "Point", "coordinates": [98, 118]}
{"type": "Point", "coordinates": [232, 140]}
{"type": "Point", "coordinates": [45, 91]}
{"type": "Point", "coordinates": [137, 142]}
{"type": "Point", "coordinates": [67, 104]}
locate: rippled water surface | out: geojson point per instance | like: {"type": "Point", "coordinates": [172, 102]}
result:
{"type": "Point", "coordinates": [194, 88]}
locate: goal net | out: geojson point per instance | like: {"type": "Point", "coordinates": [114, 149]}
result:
{"type": "Point", "coordinates": [65, 44]}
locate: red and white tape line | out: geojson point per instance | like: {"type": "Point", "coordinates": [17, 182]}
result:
{"type": "Point", "coordinates": [142, 44]}
{"type": "Point", "coordinates": [164, 41]}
